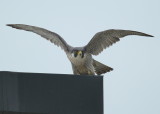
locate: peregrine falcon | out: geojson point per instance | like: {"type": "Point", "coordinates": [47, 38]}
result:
{"type": "Point", "coordinates": [81, 57]}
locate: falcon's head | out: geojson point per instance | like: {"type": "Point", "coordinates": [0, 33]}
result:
{"type": "Point", "coordinates": [78, 53]}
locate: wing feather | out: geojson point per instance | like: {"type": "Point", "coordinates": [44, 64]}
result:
{"type": "Point", "coordinates": [106, 38]}
{"type": "Point", "coordinates": [51, 36]}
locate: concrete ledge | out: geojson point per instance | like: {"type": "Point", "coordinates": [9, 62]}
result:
{"type": "Point", "coordinates": [50, 93]}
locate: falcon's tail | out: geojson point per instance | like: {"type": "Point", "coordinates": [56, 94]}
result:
{"type": "Point", "coordinates": [101, 68]}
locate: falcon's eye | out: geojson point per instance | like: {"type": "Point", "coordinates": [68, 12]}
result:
{"type": "Point", "coordinates": [75, 53]}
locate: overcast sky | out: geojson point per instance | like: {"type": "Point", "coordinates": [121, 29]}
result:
{"type": "Point", "coordinates": [133, 87]}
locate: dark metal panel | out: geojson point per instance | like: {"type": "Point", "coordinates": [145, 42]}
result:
{"type": "Point", "coordinates": [4, 92]}
{"type": "Point", "coordinates": [61, 94]}
{"type": "Point", "coordinates": [8, 112]}
{"type": "Point", "coordinates": [9, 88]}
{"type": "Point", "coordinates": [1, 92]}
{"type": "Point", "coordinates": [54, 93]}
{"type": "Point", "coordinates": [12, 94]}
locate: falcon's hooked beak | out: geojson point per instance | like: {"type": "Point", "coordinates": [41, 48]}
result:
{"type": "Point", "coordinates": [79, 53]}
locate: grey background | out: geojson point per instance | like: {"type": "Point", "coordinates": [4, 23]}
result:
{"type": "Point", "coordinates": [133, 86]}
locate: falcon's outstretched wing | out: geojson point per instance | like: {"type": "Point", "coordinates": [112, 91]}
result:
{"type": "Point", "coordinates": [104, 39]}
{"type": "Point", "coordinates": [51, 36]}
